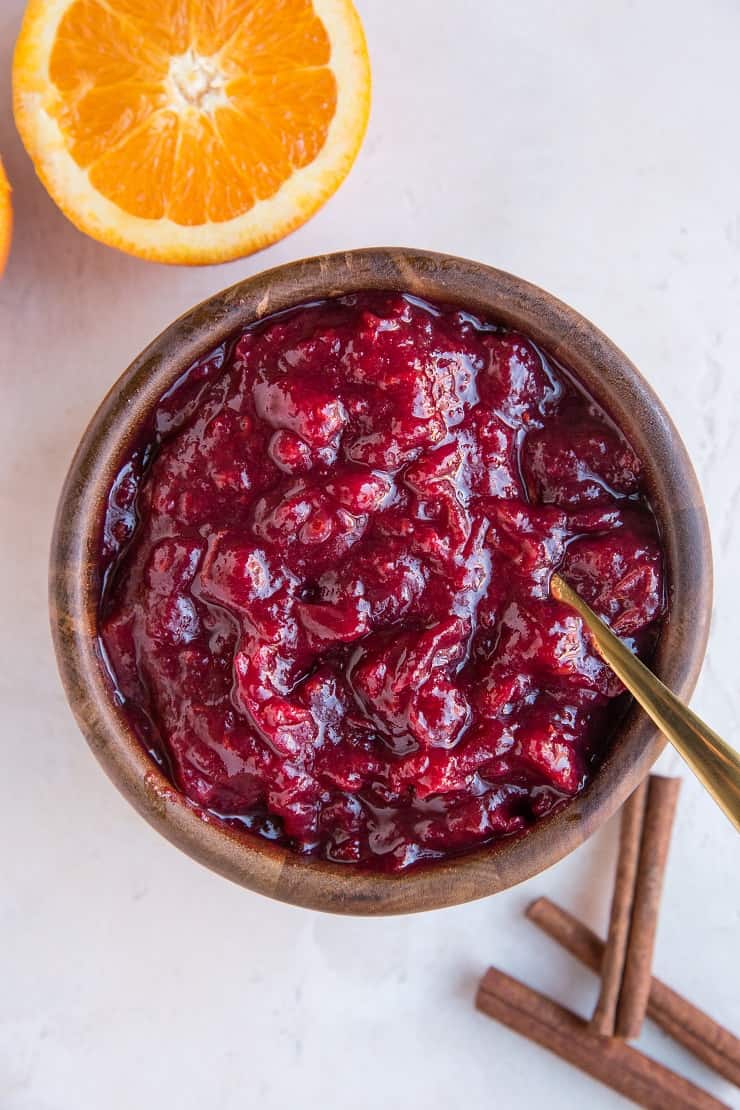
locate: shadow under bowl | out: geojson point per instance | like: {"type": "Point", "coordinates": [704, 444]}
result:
{"type": "Point", "coordinates": [75, 579]}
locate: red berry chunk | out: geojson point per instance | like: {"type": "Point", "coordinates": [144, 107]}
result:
{"type": "Point", "coordinates": [327, 581]}
{"type": "Point", "coordinates": [314, 416]}
{"type": "Point", "coordinates": [620, 576]}
{"type": "Point", "coordinates": [289, 452]}
{"type": "Point", "coordinates": [587, 463]}
{"type": "Point", "coordinates": [514, 381]}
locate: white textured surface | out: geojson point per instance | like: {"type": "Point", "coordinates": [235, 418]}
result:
{"type": "Point", "coordinates": [589, 147]}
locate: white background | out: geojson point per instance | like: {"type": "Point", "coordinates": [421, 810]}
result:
{"type": "Point", "coordinates": [590, 147]}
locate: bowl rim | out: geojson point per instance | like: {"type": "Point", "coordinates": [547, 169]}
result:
{"type": "Point", "coordinates": [74, 581]}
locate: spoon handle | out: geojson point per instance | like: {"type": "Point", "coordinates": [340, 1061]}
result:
{"type": "Point", "coordinates": [712, 760]}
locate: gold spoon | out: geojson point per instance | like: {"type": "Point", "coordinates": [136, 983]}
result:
{"type": "Point", "coordinates": [712, 760]}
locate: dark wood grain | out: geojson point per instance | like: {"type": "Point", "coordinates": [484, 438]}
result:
{"type": "Point", "coordinates": [75, 580]}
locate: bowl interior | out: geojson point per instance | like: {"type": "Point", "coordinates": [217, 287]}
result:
{"type": "Point", "coordinates": [75, 578]}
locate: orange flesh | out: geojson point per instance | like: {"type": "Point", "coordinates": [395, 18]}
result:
{"type": "Point", "coordinates": [192, 112]}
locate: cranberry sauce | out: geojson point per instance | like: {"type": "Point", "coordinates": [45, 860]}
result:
{"type": "Point", "coordinates": [326, 604]}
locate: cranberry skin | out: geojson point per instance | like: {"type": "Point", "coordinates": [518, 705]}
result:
{"type": "Point", "coordinates": [407, 686]}
{"type": "Point", "coordinates": [172, 566]}
{"type": "Point", "coordinates": [492, 456]}
{"type": "Point", "coordinates": [386, 574]}
{"type": "Point", "coordinates": [344, 823]}
{"type": "Point", "coordinates": [530, 538]}
{"type": "Point", "coordinates": [359, 491]}
{"type": "Point", "coordinates": [439, 713]}
{"type": "Point", "coordinates": [306, 518]}
{"type": "Point", "coordinates": [550, 640]}
{"type": "Point", "coordinates": [290, 453]}
{"type": "Point", "coordinates": [442, 465]}
{"type": "Point", "coordinates": [288, 728]}
{"type": "Point", "coordinates": [514, 381]}
{"type": "Point", "coordinates": [315, 417]}
{"type": "Point", "coordinates": [350, 764]}
{"type": "Point", "coordinates": [237, 573]}
{"type": "Point", "coordinates": [120, 646]}
{"type": "Point", "coordinates": [325, 625]}
{"type": "Point", "coordinates": [329, 612]}
{"type": "Point", "coordinates": [620, 576]}
{"type": "Point", "coordinates": [577, 464]}
{"type": "Point", "coordinates": [547, 743]}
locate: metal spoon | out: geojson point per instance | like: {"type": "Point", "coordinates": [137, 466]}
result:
{"type": "Point", "coordinates": [712, 760]}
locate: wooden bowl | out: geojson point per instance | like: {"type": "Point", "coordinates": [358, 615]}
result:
{"type": "Point", "coordinates": [75, 579]}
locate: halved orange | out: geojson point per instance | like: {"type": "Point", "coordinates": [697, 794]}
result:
{"type": "Point", "coordinates": [191, 131]}
{"type": "Point", "coordinates": [6, 218]}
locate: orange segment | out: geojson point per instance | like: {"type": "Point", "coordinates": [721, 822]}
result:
{"type": "Point", "coordinates": [214, 24]}
{"type": "Point", "coordinates": [256, 153]}
{"type": "Point", "coordinates": [94, 47]}
{"type": "Point", "coordinates": [286, 34]}
{"type": "Point", "coordinates": [191, 131]}
{"type": "Point", "coordinates": [103, 117]}
{"type": "Point", "coordinates": [219, 193]}
{"type": "Point", "coordinates": [165, 24]}
{"type": "Point", "coordinates": [270, 102]}
{"type": "Point", "coordinates": [137, 173]}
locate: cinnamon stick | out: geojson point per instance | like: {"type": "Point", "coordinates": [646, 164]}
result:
{"type": "Point", "coordinates": [656, 835]}
{"type": "Point", "coordinates": [609, 1060]}
{"type": "Point", "coordinates": [700, 1034]}
{"type": "Point", "coordinates": [612, 968]}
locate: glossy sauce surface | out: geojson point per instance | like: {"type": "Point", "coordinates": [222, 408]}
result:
{"type": "Point", "coordinates": [326, 603]}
